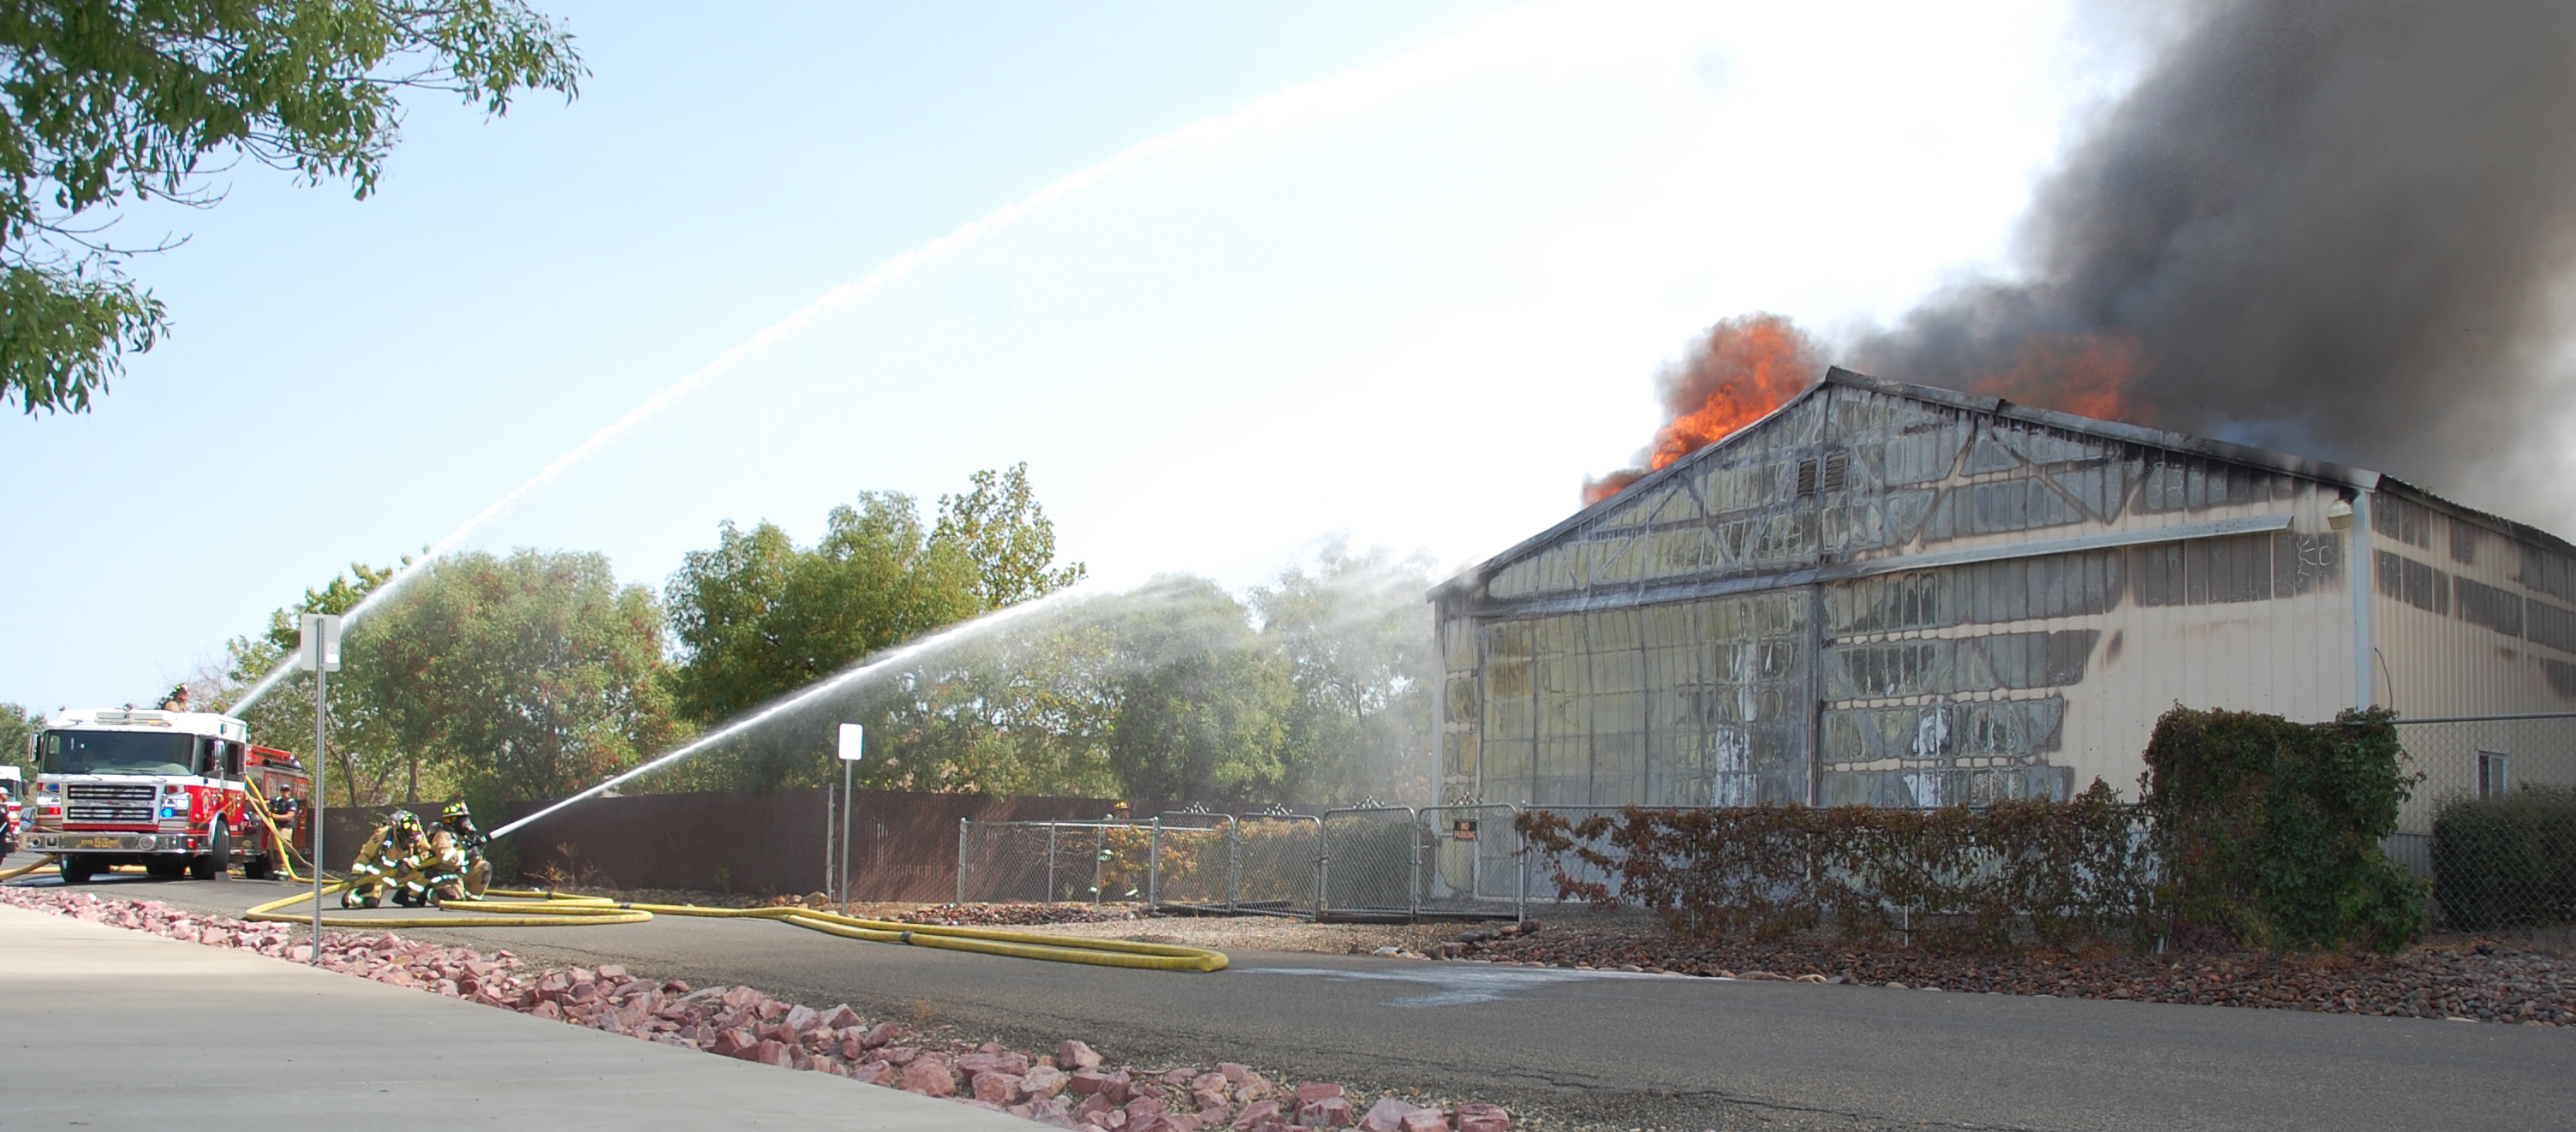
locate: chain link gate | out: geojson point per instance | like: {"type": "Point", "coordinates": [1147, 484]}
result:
{"type": "Point", "coordinates": [1372, 863]}
{"type": "Point", "coordinates": [1192, 863]}
{"type": "Point", "coordinates": [1472, 862]}
{"type": "Point", "coordinates": [1278, 864]}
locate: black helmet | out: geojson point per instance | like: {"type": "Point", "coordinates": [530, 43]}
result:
{"type": "Point", "coordinates": [456, 812]}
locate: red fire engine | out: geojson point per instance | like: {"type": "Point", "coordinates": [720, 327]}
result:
{"type": "Point", "coordinates": [160, 789]}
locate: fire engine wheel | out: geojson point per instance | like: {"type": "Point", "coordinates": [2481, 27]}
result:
{"type": "Point", "coordinates": [217, 864]}
{"type": "Point", "coordinates": [77, 871]}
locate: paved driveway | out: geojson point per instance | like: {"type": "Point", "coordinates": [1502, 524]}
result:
{"type": "Point", "coordinates": [1642, 1050]}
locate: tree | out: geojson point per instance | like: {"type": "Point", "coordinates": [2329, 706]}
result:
{"type": "Point", "coordinates": [364, 758]}
{"type": "Point", "coordinates": [110, 100]}
{"type": "Point", "coordinates": [1357, 637]}
{"type": "Point", "coordinates": [1000, 525]}
{"type": "Point", "coordinates": [1202, 700]}
{"type": "Point", "coordinates": [17, 725]}
{"type": "Point", "coordinates": [525, 677]}
{"type": "Point", "coordinates": [757, 618]}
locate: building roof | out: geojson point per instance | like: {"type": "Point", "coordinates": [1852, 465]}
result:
{"type": "Point", "coordinates": [2323, 471]}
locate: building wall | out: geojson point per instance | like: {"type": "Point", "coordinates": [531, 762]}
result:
{"type": "Point", "coordinates": [1874, 597]}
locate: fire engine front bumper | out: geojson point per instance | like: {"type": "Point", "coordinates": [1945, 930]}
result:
{"type": "Point", "coordinates": [120, 843]}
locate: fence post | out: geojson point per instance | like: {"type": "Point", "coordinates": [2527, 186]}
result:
{"type": "Point", "coordinates": [1233, 863]}
{"type": "Point", "coordinates": [1323, 862]}
{"type": "Point", "coordinates": [1154, 867]}
{"type": "Point", "coordinates": [1051, 828]}
{"type": "Point", "coordinates": [961, 859]}
{"type": "Point", "coordinates": [1520, 910]}
{"type": "Point", "coordinates": [1413, 910]}
{"type": "Point", "coordinates": [1099, 856]}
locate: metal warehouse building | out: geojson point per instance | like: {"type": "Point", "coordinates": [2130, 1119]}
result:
{"type": "Point", "coordinates": [1891, 594]}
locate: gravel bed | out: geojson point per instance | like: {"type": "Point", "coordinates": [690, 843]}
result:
{"type": "Point", "coordinates": [2459, 978]}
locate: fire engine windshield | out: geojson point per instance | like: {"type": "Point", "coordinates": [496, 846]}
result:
{"type": "Point", "coordinates": [118, 752]}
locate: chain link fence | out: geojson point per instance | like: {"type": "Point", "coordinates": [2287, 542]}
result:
{"type": "Point", "coordinates": [1257, 863]}
{"type": "Point", "coordinates": [2492, 821]}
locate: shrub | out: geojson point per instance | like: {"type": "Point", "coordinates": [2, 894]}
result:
{"type": "Point", "coordinates": [2269, 831]}
{"type": "Point", "coordinates": [2508, 861]}
{"type": "Point", "coordinates": [2068, 871]}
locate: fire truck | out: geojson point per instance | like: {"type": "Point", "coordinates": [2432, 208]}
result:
{"type": "Point", "coordinates": [162, 789]}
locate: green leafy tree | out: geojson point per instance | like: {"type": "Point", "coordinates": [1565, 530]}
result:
{"type": "Point", "coordinates": [1000, 525]}
{"type": "Point", "coordinates": [364, 756]}
{"type": "Point", "coordinates": [1203, 701]}
{"type": "Point", "coordinates": [756, 618]}
{"type": "Point", "coordinates": [525, 677]}
{"type": "Point", "coordinates": [17, 725]}
{"type": "Point", "coordinates": [1356, 635]}
{"type": "Point", "coordinates": [114, 100]}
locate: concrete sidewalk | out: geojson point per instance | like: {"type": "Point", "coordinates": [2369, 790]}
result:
{"type": "Point", "coordinates": [110, 1028]}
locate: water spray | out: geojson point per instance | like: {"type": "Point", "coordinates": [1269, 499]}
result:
{"type": "Point", "coordinates": [885, 662]}
{"type": "Point", "coordinates": [1340, 94]}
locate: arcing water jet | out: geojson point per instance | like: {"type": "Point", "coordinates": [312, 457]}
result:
{"type": "Point", "coordinates": [892, 660]}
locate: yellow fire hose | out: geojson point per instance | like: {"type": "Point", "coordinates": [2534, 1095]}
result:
{"type": "Point", "coordinates": [22, 870]}
{"type": "Point", "coordinates": [522, 908]}
{"type": "Point", "coordinates": [519, 908]}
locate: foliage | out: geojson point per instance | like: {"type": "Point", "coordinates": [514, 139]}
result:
{"type": "Point", "coordinates": [499, 678]}
{"type": "Point", "coordinates": [528, 676]}
{"type": "Point", "coordinates": [1201, 705]}
{"type": "Point", "coordinates": [364, 759]}
{"type": "Point", "coordinates": [108, 100]}
{"type": "Point", "coordinates": [2507, 861]}
{"type": "Point", "coordinates": [1000, 525]}
{"type": "Point", "coordinates": [1356, 636]}
{"type": "Point", "coordinates": [2068, 871]}
{"type": "Point", "coordinates": [17, 725]}
{"type": "Point", "coordinates": [2270, 830]}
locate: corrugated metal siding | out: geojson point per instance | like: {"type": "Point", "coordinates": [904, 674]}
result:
{"type": "Point", "coordinates": [2468, 619]}
{"type": "Point", "coordinates": [1708, 640]}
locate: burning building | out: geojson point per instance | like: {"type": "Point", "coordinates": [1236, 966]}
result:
{"type": "Point", "coordinates": [1892, 594]}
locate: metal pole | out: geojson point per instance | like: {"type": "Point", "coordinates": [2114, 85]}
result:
{"type": "Point", "coordinates": [1154, 867]}
{"type": "Point", "coordinates": [961, 860]}
{"type": "Point", "coordinates": [1051, 894]}
{"type": "Point", "coordinates": [828, 885]}
{"type": "Point", "coordinates": [848, 800]}
{"type": "Point", "coordinates": [321, 793]}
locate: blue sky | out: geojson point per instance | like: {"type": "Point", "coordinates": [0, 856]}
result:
{"type": "Point", "coordinates": [1400, 273]}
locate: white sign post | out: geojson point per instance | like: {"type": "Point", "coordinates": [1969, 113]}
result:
{"type": "Point", "coordinates": [853, 742]}
{"type": "Point", "coordinates": [319, 655]}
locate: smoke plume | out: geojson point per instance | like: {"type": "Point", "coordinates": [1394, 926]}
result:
{"type": "Point", "coordinates": [2341, 228]}
{"type": "Point", "coordinates": [2336, 227]}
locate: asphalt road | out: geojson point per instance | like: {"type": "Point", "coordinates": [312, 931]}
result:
{"type": "Point", "coordinates": [1637, 1050]}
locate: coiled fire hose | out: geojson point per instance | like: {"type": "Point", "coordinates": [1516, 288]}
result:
{"type": "Point", "coordinates": [524, 908]}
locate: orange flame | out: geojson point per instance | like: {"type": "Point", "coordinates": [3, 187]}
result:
{"type": "Point", "coordinates": [2085, 374]}
{"type": "Point", "coordinates": [1748, 366]}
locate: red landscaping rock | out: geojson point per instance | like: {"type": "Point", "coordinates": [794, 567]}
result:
{"type": "Point", "coordinates": [929, 1077]}
{"type": "Point", "coordinates": [995, 1086]}
{"type": "Point", "coordinates": [1483, 1118]}
{"type": "Point", "coordinates": [1076, 1055]}
{"type": "Point", "coordinates": [1386, 1115]}
{"type": "Point", "coordinates": [1423, 1120]}
{"type": "Point", "coordinates": [1330, 1112]}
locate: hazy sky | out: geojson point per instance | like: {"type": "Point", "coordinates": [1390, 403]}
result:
{"type": "Point", "coordinates": [1398, 272]}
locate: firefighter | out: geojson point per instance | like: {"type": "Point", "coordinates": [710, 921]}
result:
{"type": "Point", "coordinates": [458, 844]}
{"type": "Point", "coordinates": [177, 700]}
{"type": "Point", "coordinates": [393, 861]}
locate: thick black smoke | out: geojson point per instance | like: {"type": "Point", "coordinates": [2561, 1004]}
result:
{"type": "Point", "coordinates": [2342, 228]}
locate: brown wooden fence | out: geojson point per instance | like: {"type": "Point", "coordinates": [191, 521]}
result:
{"type": "Point", "coordinates": [902, 846]}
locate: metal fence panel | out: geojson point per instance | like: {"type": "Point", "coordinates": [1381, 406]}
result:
{"type": "Point", "coordinates": [1371, 860]}
{"type": "Point", "coordinates": [1193, 860]}
{"type": "Point", "coordinates": [1472, 861]}
{"type": "Point", "coordinates": [1278, 863]}
{"type": "Point", "coordinates": [2492, 822]}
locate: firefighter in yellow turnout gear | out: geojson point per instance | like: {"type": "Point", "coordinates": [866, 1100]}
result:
{"type": "Point", "coordinates": [457, 868]}
{"type": "Point", "coordinates": [396, 860]}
